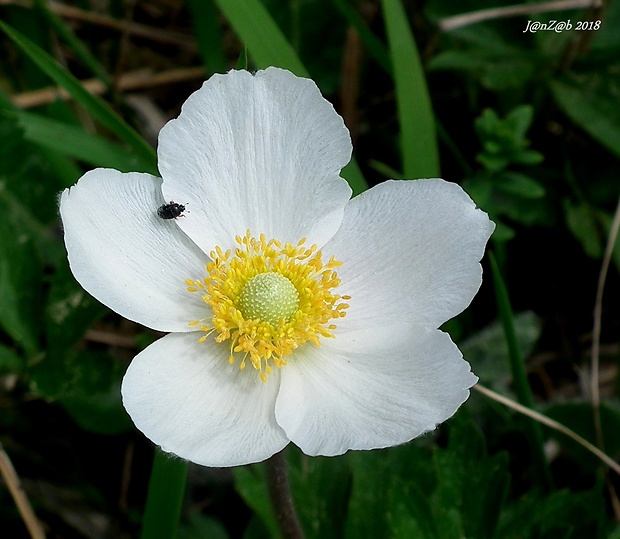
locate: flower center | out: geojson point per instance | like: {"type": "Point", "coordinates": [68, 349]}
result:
{"type": "Point", "coordinates": [268, 299]}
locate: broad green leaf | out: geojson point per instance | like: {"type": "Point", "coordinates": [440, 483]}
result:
{"type": "Point", "coordinates": [320, 487]}
{"type": "Point", "coordinates": [379, 478]}
{"type": "Point", "coordinates": [97, 107]}
{"type": "Point", "coordinates": [471, 486]}
{"type": "Point", "coordinates": [560, 514]}
{"type": "Point", "coordinates": [410, 513]}
{"type": "Point", "coordinates": [420, 155]}
{"type": "Point", "coordinates": [100, 412]}
{"type": "Point", "coordinates": [80, 374]}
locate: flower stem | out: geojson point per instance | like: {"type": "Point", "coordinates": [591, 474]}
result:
{"type": "Point", "coordinates": [281, 498]}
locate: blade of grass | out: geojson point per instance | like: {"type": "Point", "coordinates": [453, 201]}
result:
{"type": "Point", "coordinates": [74, 142]}
{"type": "Point", "coordinates": [208, 34]}
{"type": "Point", "coordinates": [165, 497]}
{"type": "Point", "coordinates": [268, 46]}
{"type": "Point", "coordinates": [95, 106]}
{"type": "Point", "coordinates": [264, 39]}
{"type": "Point", "coordinates": [519, 376]}
{"type": "Point", "coordinates": [78, 48]}
{"type": "Point", "coordinates": [377, 50]}
{"type": "Point", "coordinates": [420, 155]}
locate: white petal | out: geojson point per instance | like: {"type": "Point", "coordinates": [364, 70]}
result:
{"type": "Point", "coordinates": [399, 384]}
{"type": "Point", "coordinates": [124, 255]}
{"type": "Point", "coordinates": [410, 253]}
{"type": "Point", "coordinates": [260, 152]}
{"type": "Point", "coordinates": [186, 398]}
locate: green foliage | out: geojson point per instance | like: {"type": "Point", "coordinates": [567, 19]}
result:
{"type": "Point", "coordinates": [505, 192]}
{"type": "Point", "coordinates": [504, 144]}
{"type": "Point", "coordinates": [488, 89]}
{"type": "Point", "coordinates": [420, 157]}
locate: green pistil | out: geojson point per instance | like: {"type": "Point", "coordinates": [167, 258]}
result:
{"type": "Point", "coordinates": [268, 297]}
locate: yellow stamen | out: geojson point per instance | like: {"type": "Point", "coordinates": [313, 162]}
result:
{"type": "Point", "coordinates": [266, 318]}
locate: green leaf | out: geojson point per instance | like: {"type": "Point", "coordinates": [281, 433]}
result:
{"type": "Point", "coordinates": [76, 143]}
{"type": "Point", "coordinates": [75, 374]}
{"type": "Point", "coordinates": [561, 514]}
{"type": "Point", "coordinates": [519, 376]}
{"type": "Point", "coordinates": [410, 512]}
{"type": "Point", "coordinates": [320, 487]}
{"type": "Point", "coordinates": [581, 221]}
{"type": "Point", "coordinates": [70, 311]}
{"type": "Point", "coordinates": [20, 284]}
{"type": "Point", "coordinates": [165, 497]}
{"type": "Point", "coordinates": [593, 109]}
{"type": "Point", "coordinates": [264, 39]}
{"type": "Point", "coordinates": [77, 46]}
{"type": "Point", "coordinates": [471, 486]}
{"type": "Point", "coordinates": [577, 416]}
{"type": "Point", "coordinates": [487, 351]}
{"type": "Point", "coordinates": [100, 412]}
{"type": "Point", "coordinates": [202, 527]}
{"type": "Point", "coordinates": [204, 17]}
{"type": "Point", "coordinates": [514, 183]}
{"type": "Point", "coordinates": [420, 155]}
{"type": "Point", "coordinates": [97, 107]}
{"type": "Point", "coordinates": [379, 477]}
{"type": "Point", "coordinates": [251, 484]}
{"type": "Point", "coordinates": [10, 361]}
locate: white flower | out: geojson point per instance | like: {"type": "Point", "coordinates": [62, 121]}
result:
{"type": "Point", "coordinates": [253, 281]}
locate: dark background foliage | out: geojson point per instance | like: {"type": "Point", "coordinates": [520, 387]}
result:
{"type": "Point", "coordinates": [528, 124]}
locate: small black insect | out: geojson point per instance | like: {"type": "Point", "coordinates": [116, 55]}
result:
{"type": "Point", "coordinates": [172, 210]}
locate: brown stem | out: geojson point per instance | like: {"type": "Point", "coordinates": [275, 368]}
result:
{"type": "Point", "coordinates": [281, 499]}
